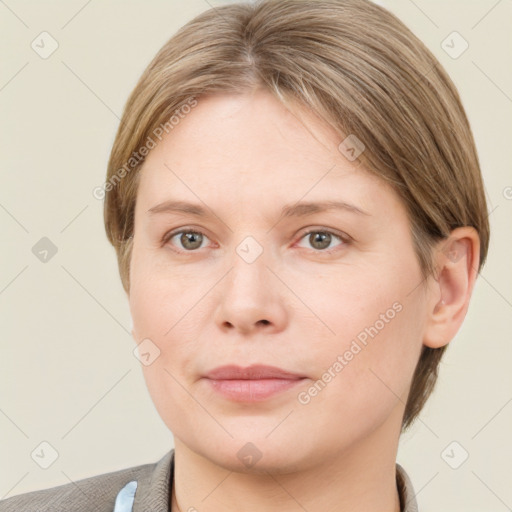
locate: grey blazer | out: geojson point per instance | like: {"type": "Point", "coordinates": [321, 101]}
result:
{"type": "Point", "coordinates": [115, 492]}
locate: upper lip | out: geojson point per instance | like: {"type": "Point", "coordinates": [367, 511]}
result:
{"type": "Point", "coordinates": [257, 371]}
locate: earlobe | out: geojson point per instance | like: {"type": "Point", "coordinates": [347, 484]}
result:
{"type": "Point", "coordinates": [456, 260]}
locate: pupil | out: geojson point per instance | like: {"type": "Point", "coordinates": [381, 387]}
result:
{"type": "Point", "coordinates": [189, 240]}
{"type": "Point", "coordinates": [323, 238]}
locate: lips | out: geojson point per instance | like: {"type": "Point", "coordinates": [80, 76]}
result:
{"type": "Point", "coordinates": [252, 384]}
{"type": "Point", "coordinates": [254, 372]}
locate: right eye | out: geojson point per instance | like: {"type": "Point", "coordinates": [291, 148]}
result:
{"type": "Point", "coordinates": [190, 240]}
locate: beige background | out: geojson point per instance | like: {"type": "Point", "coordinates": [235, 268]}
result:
{"type": "Point", "coordinates": [67, 372]}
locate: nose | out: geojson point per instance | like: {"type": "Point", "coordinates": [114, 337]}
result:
{"type": "Point", "coordinates": [251, 298]}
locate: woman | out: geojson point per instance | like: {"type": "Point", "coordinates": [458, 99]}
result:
{"type": "Point", "coordinates": [297, 208]}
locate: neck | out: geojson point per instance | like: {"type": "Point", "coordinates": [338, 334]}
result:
{"type": "Point", "coordinates": [360, 479]}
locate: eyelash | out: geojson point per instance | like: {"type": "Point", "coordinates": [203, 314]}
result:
{"type": "Point", "coordinates": [342, 237]}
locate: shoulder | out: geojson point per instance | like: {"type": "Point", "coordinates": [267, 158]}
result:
{"type": "Point", "coordinates": [96, 493]}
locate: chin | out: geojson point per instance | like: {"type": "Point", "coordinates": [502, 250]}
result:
{"type": "Point", "coordinates": [259, 456]}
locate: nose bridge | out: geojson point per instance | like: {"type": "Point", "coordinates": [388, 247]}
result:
{"type": "Point", "coordinates": [249, 274]}
{"type": "Point", "coordinates": [250, 296]}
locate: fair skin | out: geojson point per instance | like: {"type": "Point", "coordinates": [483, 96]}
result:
{"type": "Point", "coordinates": [298, 306]}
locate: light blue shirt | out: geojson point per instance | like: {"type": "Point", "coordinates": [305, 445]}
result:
{"type": "Point", "coordinates": [125, 497]}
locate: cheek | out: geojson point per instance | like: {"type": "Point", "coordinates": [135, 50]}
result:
{"type": "Point", "coordinates": [366, 367]}
{"type": "Point", "coordinates": [159, 313]}
{"type": "Point", "coordinates": [375, 317]}
{"type": "Point", "coordinates": [160, 297]}
{"type": "Point", "coordinates": [165, 308]}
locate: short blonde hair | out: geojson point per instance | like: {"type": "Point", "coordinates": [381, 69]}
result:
{"type": "Point", "coordinates": [355, 65]}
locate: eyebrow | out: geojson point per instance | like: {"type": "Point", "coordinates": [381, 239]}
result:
{"type": "Point", "coordinates": [299, 209]}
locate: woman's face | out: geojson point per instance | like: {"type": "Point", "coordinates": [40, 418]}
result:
{"type": "Point", "coordinates": [237, 279]}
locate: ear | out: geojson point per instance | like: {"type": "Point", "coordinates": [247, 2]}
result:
{"type": "Point", "coordinates": [449, 291]}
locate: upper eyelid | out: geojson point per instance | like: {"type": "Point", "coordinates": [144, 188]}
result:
{"type": "Point", "coordinates": [341, 235]}
{"type": "Point", "coordinates": [172, 234]}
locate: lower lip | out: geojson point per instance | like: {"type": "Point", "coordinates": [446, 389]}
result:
{"type": "Point", "coordinates": [252, 390]}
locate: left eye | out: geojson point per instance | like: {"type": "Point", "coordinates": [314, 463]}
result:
{"type": "Point", "coordinates": [320, 239]}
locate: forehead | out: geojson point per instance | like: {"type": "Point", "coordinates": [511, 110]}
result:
{"type": "Point", "coordinates": [250, 148]}
{"type": "Point", "coordinates": [226, 127]}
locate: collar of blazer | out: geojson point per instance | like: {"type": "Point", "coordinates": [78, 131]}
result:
{"type": "Point", "coordinates": [153, 490]}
